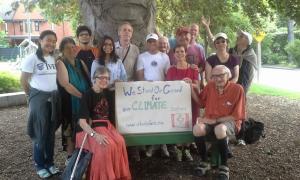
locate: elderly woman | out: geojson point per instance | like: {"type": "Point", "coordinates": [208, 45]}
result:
{"type": "Point", "coordinates": [110, 59]}
{"type": "Point", "coordinates": [184, 71]}
{"type": "Point", "coordinates": [109, 160]}
{"type": "Point", "coordinates": [38, 80]}
{"type": "Point", "coordinates": [222, 57]}
{"type": "Point", "coordinates": [73, 81]}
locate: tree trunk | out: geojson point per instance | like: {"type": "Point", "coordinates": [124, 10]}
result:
{"type": "Point", "coordinates": [104, 17]}
{"type": "Point", "coordinates": [291, 36]}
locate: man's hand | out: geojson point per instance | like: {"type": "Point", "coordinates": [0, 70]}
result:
{"type": "Point", "coordinates": [205, 22]}
{"type": "Point", "coordinates": [206, 120]}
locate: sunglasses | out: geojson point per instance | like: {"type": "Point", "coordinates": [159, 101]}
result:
{"type": "Point", "coordinates": [102, 77]}
{"type": "Point", "coordinates": [221, 41]}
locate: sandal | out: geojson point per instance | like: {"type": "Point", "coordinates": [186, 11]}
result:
{"type": "Point", "coordinates": [43, 173]}
{"type": "Point", "coordinates": [53, 170]}
{"type": "Point", "coordinates": [223, 173]}
{"type": "Point", "coordinates": [202, 169]}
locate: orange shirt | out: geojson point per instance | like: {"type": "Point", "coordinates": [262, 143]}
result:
{"type": "Point", "coordinates": [95, 51]}
{"type": "Point", "coordinates": [230, 103]}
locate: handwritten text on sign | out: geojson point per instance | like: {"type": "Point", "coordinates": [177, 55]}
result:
{"type": "Point", "coordinates": [153, 107]}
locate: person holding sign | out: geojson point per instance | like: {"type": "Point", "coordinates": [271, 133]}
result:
{"type": "Point", "coordinates": [224, 103]}
{"type": "Point", "coordinates": [182, 70]}
{"type": "Point", "coordinates": [109, 160]}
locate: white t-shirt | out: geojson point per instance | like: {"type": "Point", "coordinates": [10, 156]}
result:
{"type": "Point", "coordinates": [155, 65]}
{"type": "Point", "coordinates": [43, 73]}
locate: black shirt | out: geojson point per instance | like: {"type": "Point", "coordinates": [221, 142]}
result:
{"type": "Point", "coordinates": [87, 56]}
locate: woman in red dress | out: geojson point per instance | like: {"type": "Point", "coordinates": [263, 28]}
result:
{"type": "Point", "coordinates": [188, 73]}
{"type": "Point", "coordinates": [109, 160]}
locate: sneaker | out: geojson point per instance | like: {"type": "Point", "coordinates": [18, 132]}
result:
{"type": "Point", "coordinates": [178, 154]}
{"type": "Point", "coordinates": [53, 170]}
{"type": "Point", "coordinates": [149, 151]}
{"type": "Point", "coordinates": [164, 150]}
{"type": "Point", "coordinates": [202, 169]}
{"type": "Point", "coordinates": [241, 142]}
{"type": "Point", "coordinates": [223, 173]}
{"type": "Point", "coordinates": [43, 173]}
{"type": "Point", "coordinates": [188, 155]}
{"type": "Point", "coordinates": [67, 161]}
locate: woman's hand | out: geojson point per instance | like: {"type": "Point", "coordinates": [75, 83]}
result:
{"type": "Point", "coordinates": [101, 139]}
{"type": "Point", "coordinates": [187, 80]}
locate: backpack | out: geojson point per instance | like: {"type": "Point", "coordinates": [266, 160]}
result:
{"type": "Point", "coordinates": [253, 130]}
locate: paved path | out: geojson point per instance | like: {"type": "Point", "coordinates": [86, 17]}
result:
{"type": "Point", "coordinates": [276, 77]}
{"type": "Point", "coordinates": [280, 78]}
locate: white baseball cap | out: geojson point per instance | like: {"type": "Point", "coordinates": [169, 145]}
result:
{"type": "Point", "coordinates": [220, 35]}
{"type": "Point", "coordinates": [248, 35]}
{"type": "Point", "coordinates": [152, 36]}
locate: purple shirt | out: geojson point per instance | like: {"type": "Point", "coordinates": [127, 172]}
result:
{"type": "Point", "coordinates": [231, 63]}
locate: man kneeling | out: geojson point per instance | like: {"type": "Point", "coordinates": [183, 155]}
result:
{"type": "Point", "coordinates": [224, 104]}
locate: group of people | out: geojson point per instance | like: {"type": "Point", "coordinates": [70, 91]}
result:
{"type": "Point", "coordinates": [77, 91]}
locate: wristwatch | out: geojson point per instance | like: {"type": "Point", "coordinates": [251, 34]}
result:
{"type": "Point", "coordinates": [92, 134]}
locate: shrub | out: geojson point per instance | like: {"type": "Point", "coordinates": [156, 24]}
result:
{"type": "Point", "coordinates": [9, 83]}
{"type": "Point", "coordinates": [293, 48]}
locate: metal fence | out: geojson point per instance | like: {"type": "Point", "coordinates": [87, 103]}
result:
{"type": "Point", "coordinates": [9, 53]}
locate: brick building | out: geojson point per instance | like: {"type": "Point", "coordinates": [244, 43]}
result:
{"type": "Point", "coordinates": [16, 24]}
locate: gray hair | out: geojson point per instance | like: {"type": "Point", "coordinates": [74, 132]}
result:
{"type": "Point", "coordinates": [99, 71]}
{"type": "Point", "coordinates": [225, 68]}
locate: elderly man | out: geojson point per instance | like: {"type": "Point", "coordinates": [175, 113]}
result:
{"type": "Point", "coordinates": [126, 51]}
{"type": "Point", "coordinates": [224, 104]}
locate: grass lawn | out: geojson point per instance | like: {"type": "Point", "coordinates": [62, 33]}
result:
{"type": "Point", "coordinates": [271, 91]}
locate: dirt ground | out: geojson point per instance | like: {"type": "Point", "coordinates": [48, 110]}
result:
{"type": "Point", "coordinates": [275, 157]}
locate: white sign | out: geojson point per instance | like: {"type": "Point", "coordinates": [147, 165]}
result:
{"type": "Point", "coordinates": [153, 107]}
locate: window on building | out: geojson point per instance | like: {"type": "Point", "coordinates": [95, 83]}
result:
{"type": "Point", "coordinates": [36, 26]}
{"type": "Point", "coordinates": [6, 28]}
{"type": "Point", "coordinates": [21, 26]}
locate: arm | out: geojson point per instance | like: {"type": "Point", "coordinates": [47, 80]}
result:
{"type": "Point", "coordinates": [236, 74]}
{"type": "Point", "coordinates": [25, 78]}
{"type": "Point", "coordinates": [101, 139]}
{"type": "Point", "coordinates": [225, 119]}
{"type": "Point", "coordinates": [63, 79]}
{"type": "Point", "coordinates": [140, 75]}
{"type": "Point", "coordinates": [85, 68]}
{"type": "Point", "coordinates": [206, 23]}
{"type": "Point", "coordinates": [208, 70]}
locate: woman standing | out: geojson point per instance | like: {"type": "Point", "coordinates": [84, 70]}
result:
{"type": "Point", "coordinates": [222, 57]}
{"type": "Point", "coordinates": [109, 160]}
{"type": "Point", "coordinates": [73, 81]}
{"type": "Point", "coordinates": [110, 60]}
{"type": "Point", "coordinates": [38, 80]}
{"type": "Point", "coordinates": [184, 71]}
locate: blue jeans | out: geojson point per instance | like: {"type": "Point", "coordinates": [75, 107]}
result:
{"type": "Point", "coordinates": [43, 154]}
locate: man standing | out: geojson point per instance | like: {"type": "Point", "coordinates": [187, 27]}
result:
{"type": "Point", "coordinates": [224, 104]}
{"type": "Point", "coordinates": [152, 65]}
{"type": "Point", "coordinates": [127, 52]}
{"type": "Point", "coordinates": [85, 51]}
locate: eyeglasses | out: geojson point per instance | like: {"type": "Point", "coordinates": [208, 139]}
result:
{"type": "Point", "coordinates": [102, 78]}
{"type": "Point", "coordinates": [215, 76]}
{"type": "Point", "coordinates": [219, 42]}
